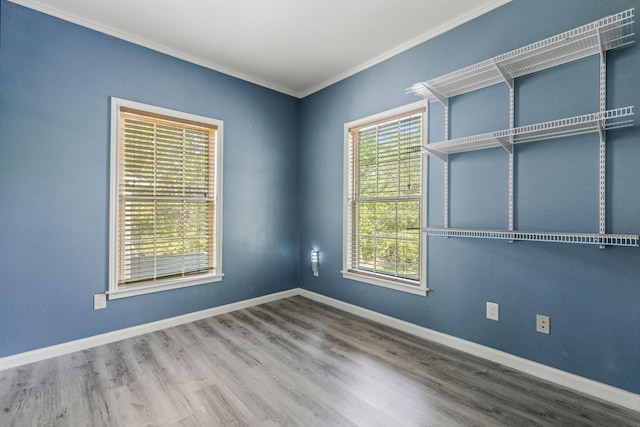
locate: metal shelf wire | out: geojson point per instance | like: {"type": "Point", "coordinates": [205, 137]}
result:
{"type": "Point", "coordinates": [582, 238]}
{"type": "Point", "coordinates": [595, 122]}
{"type": "Point", "coordinates": [594, 38]}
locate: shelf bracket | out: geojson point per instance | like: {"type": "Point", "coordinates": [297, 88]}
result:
{"type": "Point", "coordinates": [508, 80]}
{"type": "Point", "coordinates": [601, 130]}
{"type": "Point", "coordinates": [602, 180]}
{"type": "Point", "coordinates": [442, 156]}
{"type": "Point", "coordinates": [419, 89]}
{"type": "Point", "coordinates": [442, 99]}
{"type": "Point", "coordinates": [601, 45]}
{"type": "Point", "coordinates": [507, 145]}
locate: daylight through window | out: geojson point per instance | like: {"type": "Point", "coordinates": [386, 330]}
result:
{"type": "Point", "coordinates": [167, 200]}
{"type": "Point", "coordinates": [383, 206]}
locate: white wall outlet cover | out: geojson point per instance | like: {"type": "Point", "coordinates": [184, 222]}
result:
{"type": "Point", "coordinates": [99, 301]}
{"type": "Point", "coordinates": [493, 311]}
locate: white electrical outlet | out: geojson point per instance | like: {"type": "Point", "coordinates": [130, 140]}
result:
{"type": "Point", "coordinates": [99, 301]}
{"type": "Point", "coordinates": [493, 311]}
{"type": "Point", "coordinates": [542, 324]}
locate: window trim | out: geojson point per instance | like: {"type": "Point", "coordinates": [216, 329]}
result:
{"type": "Point", "coordinates": [375, 278]}
{"type": "Point", "coordinates": [115, 291]}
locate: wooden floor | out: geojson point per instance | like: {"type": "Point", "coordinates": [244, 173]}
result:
{"type": "Point", "coordinates": [289, 362]}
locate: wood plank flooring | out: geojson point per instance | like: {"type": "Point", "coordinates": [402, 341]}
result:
{"type": "Point", "coordinates": [292, 362]}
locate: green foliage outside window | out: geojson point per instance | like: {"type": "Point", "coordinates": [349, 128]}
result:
{"type": "Point", "coordinates": [386, 194]}
{"type": "Point", "coordinates": [167, 202]}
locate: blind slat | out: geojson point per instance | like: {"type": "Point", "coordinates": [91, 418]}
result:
{"type": "Point", "coordinates": [385, 194]}
{"type": "Point", "coordinates": [167, 213]}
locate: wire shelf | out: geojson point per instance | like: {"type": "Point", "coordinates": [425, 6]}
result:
{"type": "Point", "coordinates": [629, 240]}
{"type": "Point", "coordinates": [599, 36]}
{"type": "Point", "coordinates": [595, 122]}
{"type": "Point", "coordinates": [594, 38]}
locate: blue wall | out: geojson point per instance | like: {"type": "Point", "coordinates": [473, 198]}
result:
{"type": "Point", "coordinates": [55, 82]}
{"type": "Point", "coordinates": [591, 295]}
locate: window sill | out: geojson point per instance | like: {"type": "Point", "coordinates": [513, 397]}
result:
{"type": "Point", "coordinates": [386, 283]}
{"type": "Point", "coordinates": [163, 285]}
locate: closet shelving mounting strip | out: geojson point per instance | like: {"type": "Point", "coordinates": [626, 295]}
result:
{"type": "Point", "coordinates": [595, 38]}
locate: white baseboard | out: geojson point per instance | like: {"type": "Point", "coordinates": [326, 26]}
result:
{"type": "Point", "coordinates": [96, 340]}
{"type": "Point", "coordinates": [575, 382]}
{"type": "Point", "coordinates": [566, 379]}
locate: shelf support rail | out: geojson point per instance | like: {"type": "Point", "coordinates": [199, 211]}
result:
{"type": "Point", "coordinates": [603, 140]}
{"type": "Point", "coordinates": [446, 164]}
{"type": "Point", "coordinates": [511, 154]}
{"type": "Point", "coordinates": [426, 89]}
{"type": "Point", "coordinates": [445, 171]}
{"type": "Point", "coordinates": [508, 144]}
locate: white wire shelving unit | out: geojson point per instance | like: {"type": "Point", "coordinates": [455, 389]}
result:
{"type": "Point", "coordinates": [591, 39]}
{"type": "Point", "coordinates": [595, 38]}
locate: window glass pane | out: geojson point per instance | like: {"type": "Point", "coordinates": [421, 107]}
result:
{"type": "Point", "coordinates": [386, 195]}
{"type": "Point", "coordinates": [166, 199]}
{"type": "Point", "coordinates": [388, 237]}
{"type": "Point", "coordinates": [366, 253]}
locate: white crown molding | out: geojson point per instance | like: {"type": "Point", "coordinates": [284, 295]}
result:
{"type": "Point", "coordinates": [35, 5]}
{"type": "Point", "coordinates": [408, 45]}
{"type": "Point", "coordinates": [151, 45]}
{"type": "Point", "coordinates": [584, 385]}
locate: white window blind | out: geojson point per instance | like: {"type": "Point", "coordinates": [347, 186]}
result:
{"type": "Point", "coordinates": [385, 198]}
{"type": "Point", "coordinates": [166, 200]}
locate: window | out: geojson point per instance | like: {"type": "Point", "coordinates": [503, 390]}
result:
{"type": "Point", "coordinates": [383, 206]}
{"type": "Point", "coordinates": [165, 199]}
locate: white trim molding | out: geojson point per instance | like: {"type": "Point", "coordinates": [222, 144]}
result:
{"type": "Point", "coordinates": [371, 279]}
{"type": "Point", "coordinates": [123, 35]}
{"type": "Point", "coordinates": [583, 385]}
{"type": "Point", "coordinates": [116, 205]}
{"type": "Point", "coordinates": [134, 331]}
{"type": "Point", "coordinates": [471, 15]}
{"type": "Point", "coordinates": [297, 93]}
{"type": "Point", "coordinates": [575, 382]}
{"type": "Point", "coordinates": [350, 271]}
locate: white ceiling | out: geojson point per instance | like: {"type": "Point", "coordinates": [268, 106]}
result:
{"type": "Point", "coordinates": [293, 46]}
